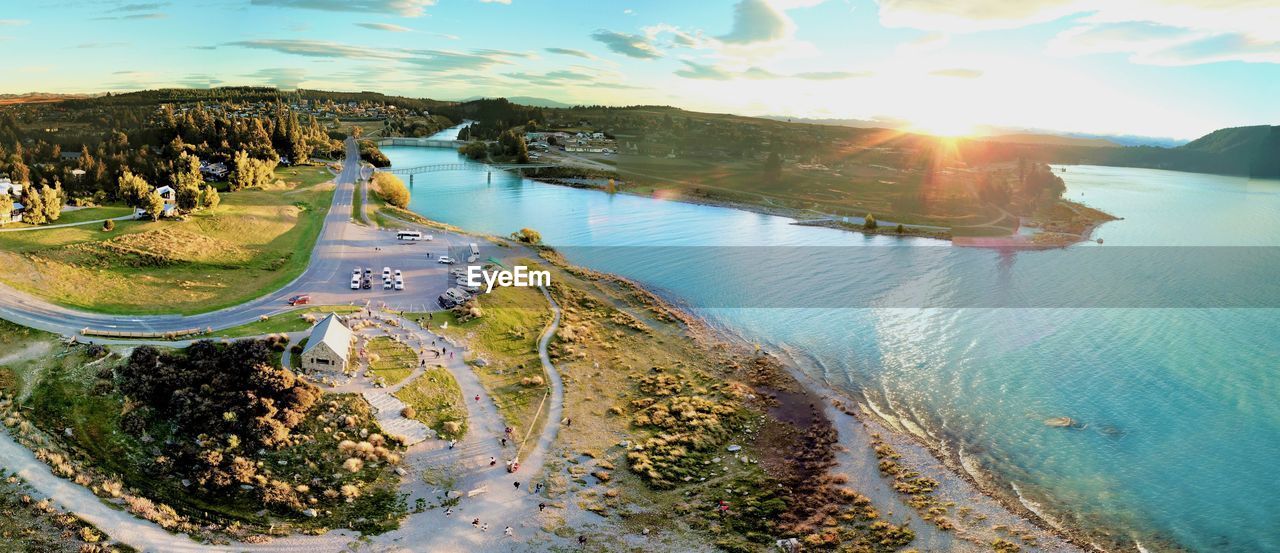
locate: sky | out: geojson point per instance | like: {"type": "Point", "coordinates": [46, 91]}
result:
{"type": "Point", "coordinates": [1162, 68]}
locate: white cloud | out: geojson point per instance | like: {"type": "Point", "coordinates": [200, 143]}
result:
{"type": "Point", "coordinates": [757, 21]}
{"type": "Point", "coordinates": [1162, 32]}
{"type": "Point", "coordinates": [385, 27]}
{"type": "Point", "coordinates": [406, 8]}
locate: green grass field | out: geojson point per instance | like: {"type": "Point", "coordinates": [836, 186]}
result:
{"type": "Point", "coordinates": [290, 321]}
{"type": "Point", "coordinates": [82, 215]}
{"type": "Point", "coordinates": [868, 187]}
{"type": "Point", "coordinates": [395, 361]}
{"type": "Point", "coordinates": [507, 338]}
{"type": "Point", "coordinates": [436, 399]}
{"type": "Point", "coordinates": [254, 242]}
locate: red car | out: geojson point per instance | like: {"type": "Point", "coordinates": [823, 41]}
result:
{"type": "Point", "coordinates": [300, 300]}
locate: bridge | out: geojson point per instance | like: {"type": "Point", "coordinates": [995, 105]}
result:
{"type": "Point", "coordinates": [424, 142]}
{"type": "Point", "coordinates": [439, 167]}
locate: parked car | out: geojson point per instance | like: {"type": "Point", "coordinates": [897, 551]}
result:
{"type": "Point", "coordinates": [399, 284]}
{"type": "Point", "coordinates": [396, 274]}
{"type": "Point", "coordinates": [368, 272]}
{"type": "Point", "coordinates": [355, 283]}
{"type": "Point", "coordinates": [446, 302]}
{"type": "Point", "coordinates": [355, 273]}
{"type": "Point", "coordinates": [457, 294]}
{"type": "Point", "coordinates": [473, 290]}
{"type": "Point", "coordinates": [386, 273]}
{"type": "Point", "coordinates": [445, 259]}
{"type": "Point", "coordinates": [367, 283]}
{"type": "Point", "coordinates": [301, 299]}
{"type": "Point", "coordinates": [386, 285]}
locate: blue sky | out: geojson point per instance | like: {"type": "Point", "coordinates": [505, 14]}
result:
{"type": "Point", "coordinates": [1176, 68]}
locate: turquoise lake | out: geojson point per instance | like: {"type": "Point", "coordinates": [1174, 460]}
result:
{"type": "Point", "coordinates": [1178, 409]}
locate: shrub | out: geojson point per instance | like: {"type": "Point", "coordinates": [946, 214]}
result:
{"type": "Point", "coordinates": [408, 412]}
{"type": "Point", "coordinates": [108, 225]}
{"type": "Point", "coordinates": [528, 236]}
{"type": "Point", "coordinates": [391, 189]}
{"type": "Point", "coordinates": [869, 222]}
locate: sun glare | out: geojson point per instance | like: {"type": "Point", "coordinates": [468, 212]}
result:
{"type": "Point", "coordinates": [944, 128]}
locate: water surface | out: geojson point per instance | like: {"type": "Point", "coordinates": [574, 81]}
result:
{"type": "Point", "coordinates": [1179, 423]}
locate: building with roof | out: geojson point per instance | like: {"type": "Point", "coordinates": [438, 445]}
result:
{"type": "Point", "coordinates": [328, 348]}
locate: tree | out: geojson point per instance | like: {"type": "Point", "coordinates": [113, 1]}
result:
{"type": "Point", "coordinates": [773, 168]}
{"type": "Point", "coordinates": [869, 222]}
{"type": "Point", "coordinates": [474, 150]}
{"type": "Point", "coordinates": [209, 198]}
{"type": "Point", "coordinates": [901, 229]}
{"type": "Point", "coordinates": [391, 189]}
{"type": "Point", "coordinates": [153, 205]}
{"type": "Point", "coordinates": [133, 189]}
{"type": "Point", "coordinates": [51, 197]}
{"type": "Point", "coordinates": [33, 203]}
{"type": "Point", "coordinates": [250, 172]}
{"type": "Point", "coordinates": [6, 207]}
{"type": "Point", "coordinates": [528, 236]}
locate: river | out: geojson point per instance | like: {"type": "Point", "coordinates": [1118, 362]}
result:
{"type": "Point", "coordinates": [1171, 379]}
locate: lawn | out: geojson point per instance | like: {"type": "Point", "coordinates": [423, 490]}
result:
{"type": "Point", "coordinates": [289, 321]}
{"type": "Point", "coordinates": [82, 215]}
{"type": "Point", "coordinates": [436, 399]}
{"type": "Point", "coordinates": [506, 337]}
{"type": "Point", "coordinates": [357, 204]}
{"type": "Point", "coordinates": [256, 241]}
{"type": "Point", "coordinates": [391, 361]}
{"type": "Point", "coordinates": [864, 186]}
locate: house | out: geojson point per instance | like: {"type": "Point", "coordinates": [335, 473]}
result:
{"type": "Point", "coordinates": [14, 190]}
{"type": "Point", "coordinates": [170, 197]}
{"type": "Point", "coordinates": [329, 346]}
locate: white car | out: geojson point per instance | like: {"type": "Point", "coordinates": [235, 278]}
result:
{"type": "Point", "coordinates": [397, 274]}
{"type": "Point", "coordinates": [386, 273]}
{"type": "Point", "coordinates": [386, 285]}
{"type": "Point", "coordinates": [399, 284]}
{"type": "Point", "coordinates": [457, 295]}
{"type": "Point", "coordinates": [445, 259]}
{"type": "Point", "coordinates": [355, 273]}
{"type": "Point", "coordinates": [355, 283]}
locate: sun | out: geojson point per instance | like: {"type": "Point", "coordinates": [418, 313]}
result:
{"type": "Point", "coordinates": [945, 127]}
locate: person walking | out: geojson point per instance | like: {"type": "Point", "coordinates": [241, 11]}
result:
{"type": "Point", "coordinates": [452, 443]}
{"type": "Point", "coordinates": [517, 485]}
{"type": "Point", "coordinates": [484, 527]}
{"type": "Point", "coordinates": [508, 532]}
{"type": "Point", "coordinates": [493, 461]}
{"type": "Point", "coordinates": [542, 507]}
{"type": "Point", "coordinates": [448, 511]}
{"type": "Point", "coordinates": [537, 488]}
{"type": "Point", "coordinates": [476, 523]}
{"type": "Point", "coordinates": [504, 442]}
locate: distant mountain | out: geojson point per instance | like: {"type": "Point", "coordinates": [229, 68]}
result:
{"type": "Point", "coordinates": [1051, 139]}
{"type": "Point", "coordinates": [1133, 139]}
{"type": "Point", "coordinates": [1247, 151]}
{"type": "Point", "coordinates": [877, 123]}
{"type": "Point", "coordinates": [526, 101]}
{"type": "Point", "coordinates": [37, 98]}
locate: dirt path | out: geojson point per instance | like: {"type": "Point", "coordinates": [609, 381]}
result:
{"type": "Point", "coordinates": [488, 490]}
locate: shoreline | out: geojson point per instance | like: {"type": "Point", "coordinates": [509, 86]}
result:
{"type": "Point", "coordinates": [855, 431]}
{"type": "Point", "coordinates": [826, 220]}
{"type": "Point", "coordinates": [860, 424]}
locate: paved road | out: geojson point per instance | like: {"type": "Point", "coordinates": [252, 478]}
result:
{"type": "Point", "coordinates": [340, 247]}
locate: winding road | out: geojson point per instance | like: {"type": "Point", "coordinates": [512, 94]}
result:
{"type": "Point", "coordinates": [340, 245]}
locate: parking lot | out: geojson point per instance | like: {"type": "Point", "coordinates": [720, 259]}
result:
{"type": "Point", "coordinates": [424, 277]}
